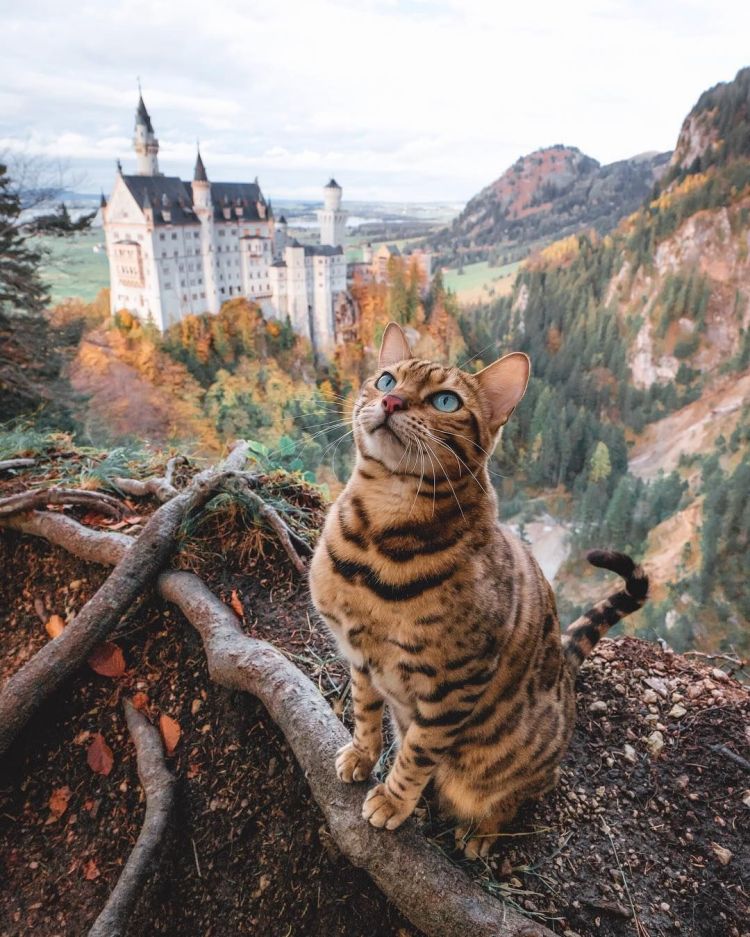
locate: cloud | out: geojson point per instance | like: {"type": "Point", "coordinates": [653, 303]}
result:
{"type": "Point", "coordinates": [428, 98]}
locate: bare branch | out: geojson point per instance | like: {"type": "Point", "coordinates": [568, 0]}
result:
{"type": "Point", "coordinates": [158, 785]}
{"type": "Point", "coordinates": [29, 500]}
{"type": "Point", "coordinates": [159, 487]}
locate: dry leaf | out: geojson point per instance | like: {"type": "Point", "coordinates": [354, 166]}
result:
{"type": "Point", "coordinates": [140, 700]}
{"type": "Point", "coordinates": [237, 604]}
{"type": "Point", "coordinates": [723, 855]}
{"type": "Point", "coordinates": [170, 732]}
{"type": "Point", "coordinates": [99, 755]}
{"type": "Point", "coordinates": [58, 802]}
{"type": "Point", "coordinates": [107, 660]}
{"type": "Point", "coordinates": [90, 871]}
{"type": "Point", "coordinates": [55, 625]}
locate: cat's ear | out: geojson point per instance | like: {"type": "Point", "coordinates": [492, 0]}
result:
{"type": "Point", "coordinates": [394, 346]}
{"type": "Point", "coordinates": [503, 384]}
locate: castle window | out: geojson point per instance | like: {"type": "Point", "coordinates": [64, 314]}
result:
{"type": "Point", "coordinates": [174, 236]}
{"type": "Point", "coordinates": [161, 237]}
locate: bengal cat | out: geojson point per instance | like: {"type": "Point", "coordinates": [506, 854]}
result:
{"type": "Point", "coordinates": [441, 612]}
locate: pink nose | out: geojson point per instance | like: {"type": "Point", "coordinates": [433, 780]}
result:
{"type": "Point", "coordinates": [391, 403]}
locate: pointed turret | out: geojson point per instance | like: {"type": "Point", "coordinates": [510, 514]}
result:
{"type": "Point", "coordinates": [199, 174]}
{"type": "Point", "coordinates": [102, 201]}
{"type": "Point", "coordinates": [145, 144]}
{"type": "Point", "coordinates": [142, 116]}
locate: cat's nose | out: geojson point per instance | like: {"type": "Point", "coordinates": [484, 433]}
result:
{"type": "Point", "coordinates": [391, 403]}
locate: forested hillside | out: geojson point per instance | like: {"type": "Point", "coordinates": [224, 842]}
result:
{"type": "Point", "coordinates": [630, 333]}
{"type": "Point", "coordinates": [546, 195]}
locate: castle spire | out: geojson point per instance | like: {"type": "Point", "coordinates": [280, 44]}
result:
{"type": "Point", "coordinates": [145, 144]}
{"type": "Point", "coordinates": [199, 175]}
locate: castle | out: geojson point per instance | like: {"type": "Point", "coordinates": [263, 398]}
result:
{"type": "Point", "coordinates": [180, 248]}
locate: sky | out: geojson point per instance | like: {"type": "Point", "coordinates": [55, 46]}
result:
{"type": "Point", "coordinates": [401, 100]}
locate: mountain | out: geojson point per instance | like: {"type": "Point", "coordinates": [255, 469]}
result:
{"type": "Point", "coordinates": [635, 432]}
{"type": "Point", "coordinates": [544, 196]}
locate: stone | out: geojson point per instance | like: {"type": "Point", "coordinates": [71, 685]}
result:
{"type": "Point", "coordinates": [677, 711]}
{"type": "Point", "coordinates": [658, 685]}
{"type": "Point", "coordinates": [630, 754]}
{"type": "Point", "coordinates": [655, 742]}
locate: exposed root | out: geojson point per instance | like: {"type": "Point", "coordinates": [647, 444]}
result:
{"type": "Point", "coordinates": [161, 487]}
{"type": "Point", "coordinates": [437, 897]}
{"type": "Point", "coordinates": [158, 786]}
{"type": "Point", "coordinates": [27, 689]}
{"type": "Point", "coordinates": [7, 464]}
{"type": "Point", "coordinates": [274, 519]}
{"type": "Point", "coordinates": [39, 499]}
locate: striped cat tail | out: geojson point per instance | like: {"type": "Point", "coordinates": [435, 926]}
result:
{"type": "Point", "coordinates": [581, 637]}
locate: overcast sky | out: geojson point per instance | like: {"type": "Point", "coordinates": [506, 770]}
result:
{"type": "Point", "coordinates": [400, 100]}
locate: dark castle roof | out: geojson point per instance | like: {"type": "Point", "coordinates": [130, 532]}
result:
{"type": "Point", "coordinates": [333, 185]}
{"type": "Point", "coordinates": [199, 174]}
{"type": "Point", "coordinates": [157, 191]}
{"type": "Point", "coordinates": [142, 116]}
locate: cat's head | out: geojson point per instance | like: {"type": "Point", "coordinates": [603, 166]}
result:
{"type": "Point", "coordinates": [420, 417]}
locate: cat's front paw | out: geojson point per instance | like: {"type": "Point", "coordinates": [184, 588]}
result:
{"type": "Point", "coordinates": [383, 810]}
{"type": "Point", "coordinates": [353, 764]}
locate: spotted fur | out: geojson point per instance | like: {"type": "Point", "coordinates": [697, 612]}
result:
{"type": "Point", "coordinates": [442, 613]}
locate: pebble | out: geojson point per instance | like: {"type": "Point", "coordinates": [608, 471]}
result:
{"type": "Point", "coordinates": [657, 684]}
{"type": "Point", "coordinates": [655, 742]}
{"type": "Point", "coordinates": [650, 697]}
{"type": "Point", "coordinates": [598, 707]}
{"type": "Point", "coordinates": [630, 754]}
{"type": "Point", "coordinates": [723, 855]}
{"type": "Point", "coordinates": [746, 798]}
{"type": "Point", "coordinates": [677, 711]}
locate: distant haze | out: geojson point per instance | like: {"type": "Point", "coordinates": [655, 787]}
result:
{"type": "Point", "coordinates": [400, 100]}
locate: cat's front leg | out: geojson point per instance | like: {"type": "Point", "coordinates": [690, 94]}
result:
{"type": "Point", "coordinates": [439, 718]}
{"type": "Point", "coordinates": [355, 761]}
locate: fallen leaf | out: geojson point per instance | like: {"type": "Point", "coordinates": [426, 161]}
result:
{"type": "Point", "coordinates": [170, 732]}
{"type": "Point", "coordinates": [58, 802]}
{"type": "Point", "coordinates": [99, 755]}
{"type": "Point", "coordinates": [40, 609]}
{"type": "Point", "coordinates": [90, 871]}
{"type": "Point", "coordinates": [107, 660]}
{"type": "Point", "coordinates": [140, 700]}
{"type": "Point", "coordinates": [55, 625]}
{"type": "Point", "coordinates": [237, 604]}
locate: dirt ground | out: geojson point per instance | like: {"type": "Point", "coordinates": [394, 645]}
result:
{"type": "Point", "coordinates": [638, 839]}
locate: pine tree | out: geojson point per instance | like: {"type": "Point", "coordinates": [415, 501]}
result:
{"type": "Point", "coordinates": [600, 468]}
{"type": "Point", "coordinates": [20, 284]}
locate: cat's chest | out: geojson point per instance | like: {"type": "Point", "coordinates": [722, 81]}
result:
{"type": "Point", "coordinates": [387, 649]}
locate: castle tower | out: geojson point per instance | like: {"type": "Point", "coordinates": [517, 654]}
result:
{"type": "Point", "coordinates": [332, 218]}
{"type": "Point", "coordinates": [145, 144]}
{"type": "Point", "coordinates": [204, 212]}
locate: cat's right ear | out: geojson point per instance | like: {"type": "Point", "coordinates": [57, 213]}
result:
{"type": "Point", "coordinates": [394, 346]}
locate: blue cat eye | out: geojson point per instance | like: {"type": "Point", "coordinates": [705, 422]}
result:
{"type": "Point", "coordinates": [385, 382]}
{"type": "Point", "coordinates": [446, 401]}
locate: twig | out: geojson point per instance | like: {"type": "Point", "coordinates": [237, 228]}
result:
{"type": "Point", "coordinates": [158, 786]}
{"type": "Point", "coordinates": [737, 663]}
{"type": "Point", "coordinates": [274, 519]}
{"type": "Point", "coordinates": [732, 756]}
{"type": "Point", "coordinates": [16, 463]}
{"type": "Point", "coordinates": [32, 500]}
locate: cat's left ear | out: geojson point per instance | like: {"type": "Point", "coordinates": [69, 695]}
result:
{"type": "Point", "coordinates": [503, 384]}
{"type": "Point", "coordinates": [394, 346]}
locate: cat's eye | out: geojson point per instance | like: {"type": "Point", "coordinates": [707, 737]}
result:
{"type": "Point", "coordinates": [385, 382]}
{"type": "Point", "coordinates": [446, 401]}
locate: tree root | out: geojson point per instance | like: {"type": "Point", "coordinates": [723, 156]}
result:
{"type": "Point", "coordinates": [7, 464]}
{"type": "Point", "coordinates": [30, 500]}
{"type": "Point", "coordinates": [158, 786]}
{"type": "Point", "coordinates": [27, 689]}
{"type": "Point", "coordinates": [162, 487]}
